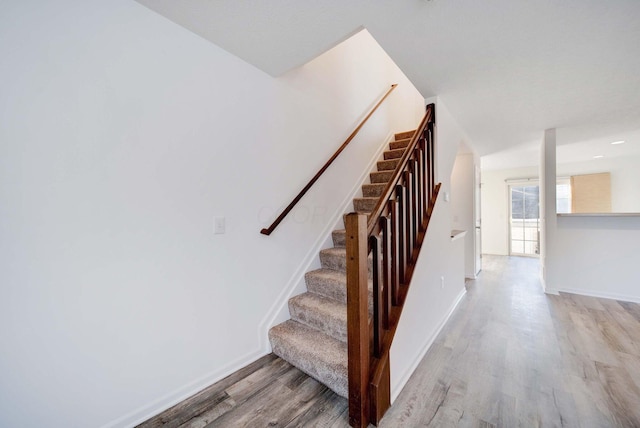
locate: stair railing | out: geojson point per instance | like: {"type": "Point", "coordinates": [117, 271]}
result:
{"type": "Point", "coordinates": [392, 237]}
{"type": "Point", "coordinates": [276, 222]}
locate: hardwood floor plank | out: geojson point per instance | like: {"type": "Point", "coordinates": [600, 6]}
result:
{"type": "Point", "coordinates": [250, 385]}
{"type": "Point", "coordinates": [632, 308]}
{"type": "Point", "coordinates": [243, 414]}
{"type": "Point", "coordinates": [590, 401]}
{"type": "Point", "coordinates": [622, 395]}
{"type": "Point", "coordinates": [626, 321]}
{"type": "Point", "coordinates": [413, 399]}
{"type": "Point", "coordinates": [206, 399]}
{"type": "Point", "coordinates": [450, 409]}
{"type": "Point", "coordinates": [205, 418]}
{"type": "Point", "coordinates": [632, 364]}
{"type": "Point", "coordinates": [616, 337]}
{"type": "Point", "coordinates": [275, 405]}
{"type": "Point", "coordinates": [592, 343]}
{"type": "Point", "coordinates": [329, 410]}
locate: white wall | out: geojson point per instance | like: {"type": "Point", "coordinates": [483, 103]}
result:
{"type": "Point", "coordinates": [122, 135]}
{"type": "Point", "coordinates": [495, 207]}
{"type": "Point", "coordinates": [429, 305]}
{"type": "Point", "coordinates": [462, 206]}
{"type": "Point", "coordinates": [595, 256]}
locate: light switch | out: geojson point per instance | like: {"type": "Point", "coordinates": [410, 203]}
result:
{"type": "Point", "coordinates": [218, 225]}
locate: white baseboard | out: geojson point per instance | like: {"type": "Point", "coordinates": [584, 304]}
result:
{"type": "Point", "coordinates": [395, 390]}
{"type": "Point", "coordinates": [167, 401]}
{"type": "Point", "coordinates": [279, 310]}
{"type": "Point", "coordinates": [599, 294]}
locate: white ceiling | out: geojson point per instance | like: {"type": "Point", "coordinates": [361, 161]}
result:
{"type": "Point", "coordinates": [506, 69]}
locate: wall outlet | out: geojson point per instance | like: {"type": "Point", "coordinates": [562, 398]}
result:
{"type": "Point", "coordinates": [442, 282]}
{"type": "Point", "coordinates": [219, 226]}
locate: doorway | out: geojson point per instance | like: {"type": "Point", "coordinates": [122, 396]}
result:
{"type": "Point", "coordinates": [524, 220]}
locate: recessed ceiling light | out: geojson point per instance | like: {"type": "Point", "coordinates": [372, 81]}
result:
{"type": "Point", "coordinates": [618, 142]}
{"type": "Point", "coordinates": [598, 156]}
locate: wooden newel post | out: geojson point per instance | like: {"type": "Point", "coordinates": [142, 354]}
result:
{"type": "Point", "coordinates": [357, 319]}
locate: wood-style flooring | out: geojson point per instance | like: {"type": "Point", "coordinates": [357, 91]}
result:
{"type": "Point", "coordinates": [510, 356]}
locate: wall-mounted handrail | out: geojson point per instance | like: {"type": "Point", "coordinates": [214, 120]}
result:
{"type": "Point", "coordinates": [267, 231]}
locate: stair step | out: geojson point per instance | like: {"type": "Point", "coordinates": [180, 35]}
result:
{"type": "Point", "coordinates": [327, 282]}
{"type": "Point", "coordinates": [365, 204]}
{"type": "Point", "coordinates": [380, 176]}
{"type": "Point", "coordinates": [338, 238]}
{"type": "Point", "coordinates": [318, 355]}
{"type": "Point", "coordinates": [332, 284]}
{"type": "Point", "coordinates": [373, 190]}
{"type": "Point", "coordinates": [399, 144]}
{"type": "Point", "coordinates": [393, 154]}
{"type": "Point", "coordinates": [405, 134]}
{"type": "Point", "coordinates": [336, 259]}
{"type": "Point", "coordinates": [387, 165]}
{"type": "Point", "coordinates": [324, 314]}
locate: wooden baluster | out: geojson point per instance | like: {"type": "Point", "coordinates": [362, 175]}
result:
{"type": "Point", "coordinates": [395, 253]}
{"type": "Point", "coordinates": [409, 238]}
{"type": "Point", "coordinates": [414, 203]}
{"type": "Point", "coordinates": [407, 231]}
{"type": "Point", "coordinates": [433, 160]}
{"type": "Point", "coordinates": [423, 179]}
{"type": "Point", "coordinates": [374, 243]}
{"type": "Point", "coordinates": [429, 165]}
{"type": "Point", "coordinates": [400, 192]}
{"type": "Point", "coordinates": [385, 226]}
{"type": "Point", "coordinates": [419, 182]}
{"type": "Point", "coordinates": [425, 172]}
{"type": "Point", "coordinates": [357, 319]}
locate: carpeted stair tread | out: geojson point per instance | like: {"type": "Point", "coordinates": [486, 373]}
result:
{"type": "Point", "coordinates": [338, 237]}
{"type": "Point", "coordinates": [333, 285]}
{"type": "Point", "coordinates": [373, 190]}
{"type": "Point", "coordinates": [336, 259]}
{"type": "Point", "coordinates": [328, 282]}
{"type": "Point", "coordinates": [405, 134]}
{"type": "Point", "coordinates": [320, 356]}
{"type": "Point", "coordinates": [393, 154]}
{"type": "Point", "coordinates": [365, 204]}
{"type": "Point", "coordinates": [387, 165]}
{"type": "Point", "coordinates": [321, 313]}
{"type": "Point", "coordinates": [399, 144]}
{"type": "Point", "coordinates": [380, 176]}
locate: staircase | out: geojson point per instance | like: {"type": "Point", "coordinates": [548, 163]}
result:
{"type": "Point", "coordinates": [315, 338]}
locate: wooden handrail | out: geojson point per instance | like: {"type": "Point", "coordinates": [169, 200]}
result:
{"type": "Point", "coordinates": [267, 231]}
{"type": "Point", "coordinates": [391, 185]}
